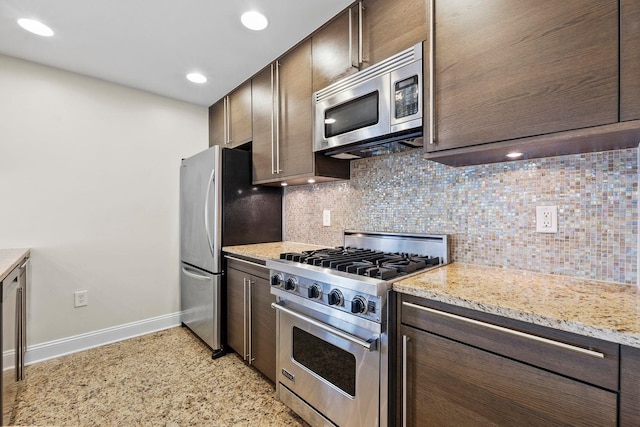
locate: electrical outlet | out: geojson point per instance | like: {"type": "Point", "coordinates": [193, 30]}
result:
{"type": "Point", "coordinates": [81, 298]}
{"type": "Point", "coordinates": [326, 218]}
{"type": "Point", "coordinates": [546, 219]}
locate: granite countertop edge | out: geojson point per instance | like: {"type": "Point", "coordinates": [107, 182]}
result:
{"type": "Point", "coordinates": [10, 258]}
{"type": "Point", "coordinates": [629, 338]}
{"type": "Point", "coordinates": [269, 250]}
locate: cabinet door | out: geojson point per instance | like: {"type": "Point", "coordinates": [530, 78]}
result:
{"type": "Point", "coordinates": [332, 58]}
{"type": "Point", "coordinates": [239, 111]}
{"type": "Point", "coordinates": [391, 26]}
{"type": "Point", "coordinates": [508, 69]}
{"type": "Point", "coordinates": [452, 384]}
{"type": "Point", "coordinates": [295, 124]}
{"type": "Point", "coordinates": [629, 386]}
{"type": "Point", "coordinates": [262, 106]}
{"type": "Point", "coordinates": [629, 60]}
{"type": "Point", "coordinates": [263, 328]}
{"type": "Point", "coordinates": [216, 124]}
{"type": "Point", "coordinates": [236, 328]}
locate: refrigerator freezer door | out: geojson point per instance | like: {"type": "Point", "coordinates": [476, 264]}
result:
{"type": "Point", "coordinates": [200, 188]}
{"type": "Point", "coordinates": [200, 304]}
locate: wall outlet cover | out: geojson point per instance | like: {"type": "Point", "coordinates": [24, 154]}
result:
{"type": "Point", "coordinates": [81, 298]}
{"type": "Point", "coordinates": [546, 219]}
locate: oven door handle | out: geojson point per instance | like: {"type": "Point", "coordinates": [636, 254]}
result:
{"type": "Point", "coordinates": [370, 345]}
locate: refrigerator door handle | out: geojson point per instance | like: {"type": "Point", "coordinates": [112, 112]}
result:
{"type": "Point", "coordinates": [206, 211]}
{"type": "Point", "coordinates": [193, 274]}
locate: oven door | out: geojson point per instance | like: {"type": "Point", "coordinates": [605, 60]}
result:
{"type": "Point", "coordinates": [335, 371]}
{"type": "Point", "coordinates": [353, 113]}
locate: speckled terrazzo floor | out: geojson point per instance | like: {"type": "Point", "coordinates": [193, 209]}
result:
{"type": "Point", "coordinates": [162, 379]}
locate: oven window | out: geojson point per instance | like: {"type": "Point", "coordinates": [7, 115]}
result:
{"type": "Point", "coordinates": [355, 114]}
{"type": "Point", "coordinates": [334, 364]}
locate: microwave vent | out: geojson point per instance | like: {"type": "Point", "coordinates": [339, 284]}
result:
{"type": "Point", "coordinates": [396, 61]}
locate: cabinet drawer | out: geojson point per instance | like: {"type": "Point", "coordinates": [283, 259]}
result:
{"type": "Point", "coordinates": [453, 384]}
{"type": "Point", "coordinates": [253, 267]}
{"type": "Point", "coordinates": [587, 359]}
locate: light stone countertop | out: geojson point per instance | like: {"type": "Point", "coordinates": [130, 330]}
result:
{"type": "Point", "coordinates": [9, 259]}
{"type": "Point", "coordinates": [266, 251]}
{"type": "Point", "coordinates": [609, 311]}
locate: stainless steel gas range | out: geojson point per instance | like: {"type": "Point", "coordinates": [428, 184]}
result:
{"type": "Point", "coordinates": [332, 351]}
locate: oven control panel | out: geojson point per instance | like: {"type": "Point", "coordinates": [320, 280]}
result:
{"type": "Point", "coordinates": [347, 300]}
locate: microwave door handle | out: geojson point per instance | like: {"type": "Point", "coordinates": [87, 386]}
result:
{"type": "Point", "coordinates": [370, 345]}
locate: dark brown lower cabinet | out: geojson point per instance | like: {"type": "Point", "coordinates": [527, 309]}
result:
{"type": "Point", "coordinates": [251, 322]}
{"type": "Point", "coordinates": [452, 384]}
{"type": "Point", "coordinates": [452, 372]}
{"type": "Point", "coordinates": [629, 386]}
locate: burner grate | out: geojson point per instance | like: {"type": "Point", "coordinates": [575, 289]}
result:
{"type": "Point", "coordinates": [364, 262]}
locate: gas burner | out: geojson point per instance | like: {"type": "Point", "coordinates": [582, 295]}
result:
{"type": "Point", "coordinates": [364, 262]}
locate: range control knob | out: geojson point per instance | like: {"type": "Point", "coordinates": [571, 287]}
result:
{"type": "Point", "coordinates": [291, 284]}
{"type": "Point", "coordinates": [276, 280]}
{"type": "Point", "coordinates": [335, 297]}
{"type": "Point", "coordinates": [358, 305]}
{"type": "Point", "coordinates": [315, 291]}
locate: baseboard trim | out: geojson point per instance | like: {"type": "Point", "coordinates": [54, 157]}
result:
{"type": "Point", "coordinates": [52, 349]}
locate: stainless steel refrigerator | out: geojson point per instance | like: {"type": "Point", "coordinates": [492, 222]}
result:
{"type": "Point", "coordinates": [218, 207]}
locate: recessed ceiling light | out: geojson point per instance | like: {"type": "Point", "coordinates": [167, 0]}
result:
{"type": "Point", "coordinates": [284, 184]}
{"type": "Point", "coordinates": [196, 78]}
{"type": "Point", "coordinates": [254, 20]}
{"type": "Point", "coordinates": [36, 27]}
{"type": "Point", "coordinates": [514, 155]}
{"type": "Point", "coordinates": [311, 180]}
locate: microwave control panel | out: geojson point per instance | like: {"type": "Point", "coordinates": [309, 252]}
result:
{"type": "Point", "coordinates": [406, 97]}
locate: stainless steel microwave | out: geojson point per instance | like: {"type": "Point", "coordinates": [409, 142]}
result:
{"type": "Point", "coordinates": [374, 111]}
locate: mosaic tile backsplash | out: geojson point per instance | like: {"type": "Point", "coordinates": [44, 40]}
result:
{"type": "Point", "coordinates": [489, 210]}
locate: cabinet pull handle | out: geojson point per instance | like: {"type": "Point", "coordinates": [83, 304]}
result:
{"type": "Point", "coordinates": [244, 261]}
{"type": "Point", "coordinates": [245, 354]}
{"type": "Point", "coordinates": [351, 39]}
{"type": "Point", "coordinates": [360, 38]}
{"type": "Point", "coordinates": [249, 321]}
{"type": "Point", "coordinates": [536, 338]}
{"type": "Point", "coordinates": [229, 119]}
{"type": "Point", "coordinates": [224, 121]}
{"type": "Point", "coordinates": [273, 109]}
{"type": "Point", "coordinates": [405, 345]}
{"type": "Point", "coordinates": [432, 77]}
{"type": "Point", "coordinates": [278, 170]}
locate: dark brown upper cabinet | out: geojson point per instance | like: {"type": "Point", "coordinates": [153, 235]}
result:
{"type": "Point", "coordinates": [509, 69]}
{"type": "Point", "coordinates": [230, 118]}
{"type": "Point", "coordinates": [363, 35]}
{"type": "Point", "coordinates": [282, 124]}
{"type": "Point", "coordinates": [630, 60]}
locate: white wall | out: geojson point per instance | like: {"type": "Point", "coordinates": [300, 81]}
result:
{"type": "Point", "coordinates": [89, 180]}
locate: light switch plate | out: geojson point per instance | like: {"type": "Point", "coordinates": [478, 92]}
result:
{"type": "Point", "coordinates": [326, 218]}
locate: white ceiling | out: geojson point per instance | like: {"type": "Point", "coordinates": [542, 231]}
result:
{"type": "Point", "coordinates": [152, 44]}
